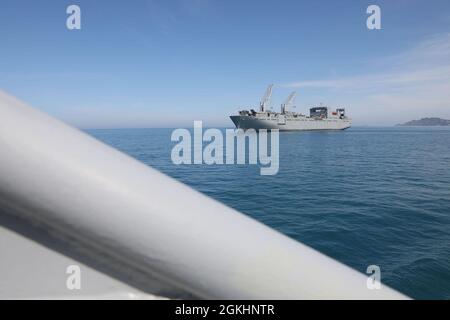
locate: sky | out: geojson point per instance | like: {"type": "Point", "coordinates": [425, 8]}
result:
{"type": "Point", "coordinates": [166, 63]}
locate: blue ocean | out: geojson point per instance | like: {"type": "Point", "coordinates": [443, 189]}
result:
{"type": "Point", "coordinates": [364, 196]}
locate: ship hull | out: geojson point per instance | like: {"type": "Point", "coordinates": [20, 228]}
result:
{"type": "Point", "coordinates": [290, 123]}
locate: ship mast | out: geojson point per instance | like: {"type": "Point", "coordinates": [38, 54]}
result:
{"type": "Point", "coordinates": [265, 101]}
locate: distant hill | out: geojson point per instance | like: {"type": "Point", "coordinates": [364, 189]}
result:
{"type": "Point", "coordinates": [427, 122]}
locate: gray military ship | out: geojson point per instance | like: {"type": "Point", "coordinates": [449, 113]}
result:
{"type": "Point", "coordinates": [320, 118]}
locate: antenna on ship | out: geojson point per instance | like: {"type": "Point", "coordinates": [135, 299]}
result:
{"type": "Point", "coordinates": [265, 101]}
{"type": "Point", "coordinates": [289, 102]}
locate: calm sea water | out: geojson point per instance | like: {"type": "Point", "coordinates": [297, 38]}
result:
{"type": "Point", "coordinates": [362, 196]}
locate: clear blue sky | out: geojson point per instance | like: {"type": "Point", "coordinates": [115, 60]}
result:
{"type": "Point", "coordinates": [166, 63]}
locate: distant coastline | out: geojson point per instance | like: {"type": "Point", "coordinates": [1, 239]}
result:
{"type": "Point", "coordinates": [426, 122]}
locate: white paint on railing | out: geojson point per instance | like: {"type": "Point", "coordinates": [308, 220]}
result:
{"type": "Point", "coordinates": [88, 192]}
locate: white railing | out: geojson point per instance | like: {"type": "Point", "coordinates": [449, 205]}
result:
{"type": "Point", "coordinates": [57, 176]}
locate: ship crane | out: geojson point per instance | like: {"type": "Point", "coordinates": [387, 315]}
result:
{"type": "Point", "coordinates": [290, 102]}
{"type": "Point", "coordinates": [265, 101]}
